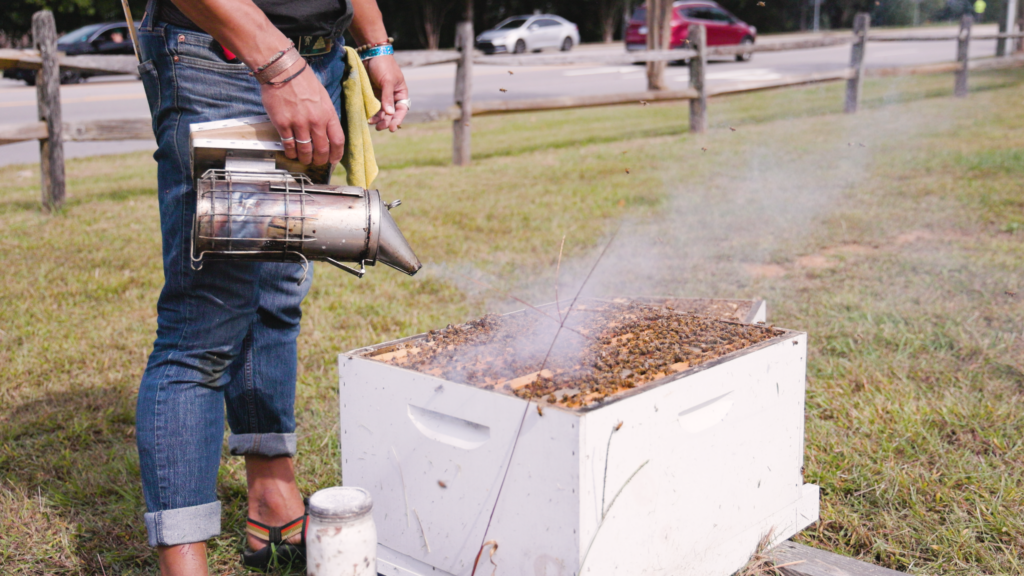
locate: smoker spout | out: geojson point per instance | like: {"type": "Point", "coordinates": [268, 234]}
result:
{"type": "Point", "coordinates": [393, 249]}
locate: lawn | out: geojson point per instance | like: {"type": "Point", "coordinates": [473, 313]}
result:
{"type": "Point", "coordinates": [895, 238]}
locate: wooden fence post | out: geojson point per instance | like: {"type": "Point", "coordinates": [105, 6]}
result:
{"type": "Point", "coordinates": [462, 150]}
{"type": "Point", "coordinates": [1004, 46]}
{"type": "Point", "coordinates": [51, 149]}
{"type": "Point", "coordinates": [698, 37]}
{"type": "Point", "coordinates": [861, 24]}
{"type": "Point", "coordinates": [963, 42]}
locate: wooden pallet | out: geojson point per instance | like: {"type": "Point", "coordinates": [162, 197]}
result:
{"type": "Point", "coordinates": [799, 560]}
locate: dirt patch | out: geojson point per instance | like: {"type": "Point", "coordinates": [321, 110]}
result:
{"type": "Point", "coordinates": [765, 270]}
{"type": "Point", "coordinates": [850, 250]}
{"type": "Point", "coordinates": [819, 261]}
{"type": "Point", "coordinates": [605, 349]}
{"type": "Point", "coordinates": [815, 261]}
{"type": "Point", "coordinates": [915, 236]}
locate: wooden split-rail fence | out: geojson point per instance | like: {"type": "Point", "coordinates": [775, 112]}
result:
{"type": "Point", "coordinates": [51, 131]}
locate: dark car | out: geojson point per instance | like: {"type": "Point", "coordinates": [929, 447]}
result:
{"type": "Point", "coordinates": [107, 38]}
{"type": "Point", "coordinates": [722, 27]}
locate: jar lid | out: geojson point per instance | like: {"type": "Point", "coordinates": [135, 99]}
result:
{"type": "Point", "coordinates": [340, 503]}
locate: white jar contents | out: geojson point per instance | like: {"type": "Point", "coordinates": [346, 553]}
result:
{"type": "Point", "coordinates": [341, 538]}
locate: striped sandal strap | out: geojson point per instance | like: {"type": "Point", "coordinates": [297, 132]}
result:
{"type": "Point", "coordinates": [277, 534]}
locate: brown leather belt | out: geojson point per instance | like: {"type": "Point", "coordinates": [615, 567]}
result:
{"type": "Point", "coordinates": [312, 45]}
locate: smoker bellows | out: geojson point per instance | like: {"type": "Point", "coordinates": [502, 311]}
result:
{"type": "Point", "coordinates": [253, 203]}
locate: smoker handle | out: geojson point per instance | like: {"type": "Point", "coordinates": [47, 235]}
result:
{"type": "Point", "coordinates": [357, 273]}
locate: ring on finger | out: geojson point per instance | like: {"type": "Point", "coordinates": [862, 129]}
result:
{"type": "Point", "coordinates": [288, 139]}
{"type": "Point", "coordinates": [310, 141]}
{"type": "Point", "coordinates": [406, 101]}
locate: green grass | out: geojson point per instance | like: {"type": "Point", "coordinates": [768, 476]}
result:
{"type": "Point", "coordinates": [892, 237]}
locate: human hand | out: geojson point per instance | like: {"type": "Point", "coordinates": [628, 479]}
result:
{"type": "Point", "coordinates": [389, 87]}
{"type": "Point", "coordinates": [302, 110]}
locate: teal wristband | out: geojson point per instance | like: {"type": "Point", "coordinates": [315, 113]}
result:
{"type": "Point", "coordinates": [385, 50]}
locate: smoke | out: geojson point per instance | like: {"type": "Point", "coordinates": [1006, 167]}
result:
{"type": "Point", "coordinates": [723, 229]}
{"type": "Point", "coordinates": [733, 215]}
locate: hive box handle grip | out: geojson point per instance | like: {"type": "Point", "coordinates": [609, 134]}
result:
{"type": "Point", "coordinates": [706, 414]}
{"type": "Point", "coordinates": [449, 429]}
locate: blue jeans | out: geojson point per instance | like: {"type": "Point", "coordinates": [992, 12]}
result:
{"type": "Point", "coordinates": [227, 333]}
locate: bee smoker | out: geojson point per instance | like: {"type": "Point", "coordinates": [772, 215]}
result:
{"type": "Point", "coordinates": [254, 203]}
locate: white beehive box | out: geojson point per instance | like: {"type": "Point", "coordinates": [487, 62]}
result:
{"type": "Point", "coordinates": [715, 454]}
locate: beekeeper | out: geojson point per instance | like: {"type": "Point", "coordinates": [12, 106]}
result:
{"type": "Point", "coordinates": [227, 333]}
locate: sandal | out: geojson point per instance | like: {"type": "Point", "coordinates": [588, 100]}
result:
{"type": "Point", "coordinates": [277, 552]}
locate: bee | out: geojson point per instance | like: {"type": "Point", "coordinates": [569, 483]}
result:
{"type": "Point", "coordinates": [442, 484]}
{"type": "Point", "coordinates": [1011, 293]}
{"type": "Point", "coordinates": [644, 102]}
{"type": "Point", "coordinates": [627, 170]}
{"type": "Point", "coordinates": [703, 149]}
{"type": "Point", "coordinates": [618, 426]}
{"type": "Point", "coordinates": [761, 4]}
{"type": "Point", "coordinates": [731, 128]}
{"type": "Point", "coordinates": [502, 90]}
{"type": "Point", "coordinates": [540, 411]}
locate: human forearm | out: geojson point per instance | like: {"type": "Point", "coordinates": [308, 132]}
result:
{"type": "Point", "coordinates": [388, 82]}
{"type": "Point", "coordinates": [239, 25]}
{"type": "Point", "coordinates": [297, 104]}
{"type": "Point", "coordinates": [367, 23]}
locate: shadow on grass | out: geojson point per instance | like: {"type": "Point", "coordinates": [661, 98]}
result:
{"type": "Point", "coordinates": [12, 206]}
{"type": "Point", "coordinates": [74, 454]}
{"type": "Point", "coordinates": [75, 451]}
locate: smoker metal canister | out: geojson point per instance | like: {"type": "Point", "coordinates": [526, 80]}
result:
{"type": "Point", "coordinates": [284, 217]}
{"type": "Point", "coordinates": [341, 537]}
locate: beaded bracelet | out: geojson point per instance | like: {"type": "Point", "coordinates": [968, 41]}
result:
{"type": "Point", "coordinates": [275, 58]}
{"type": "Point", "coordinates": [384, 50]}
{"type": "Point", "coordinates": [366, 47]}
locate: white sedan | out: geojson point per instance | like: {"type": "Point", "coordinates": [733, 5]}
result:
{"type": "Point", "coordinates": [519, 34]}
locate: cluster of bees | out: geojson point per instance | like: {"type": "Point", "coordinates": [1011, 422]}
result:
{"type": "Point", "coordinates": [604, 349]}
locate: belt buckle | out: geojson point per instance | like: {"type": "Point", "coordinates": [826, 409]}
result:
{"type": "Point", "coordinates": [313, 45]}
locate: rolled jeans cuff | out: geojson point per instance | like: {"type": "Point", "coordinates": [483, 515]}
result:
{"type": "Point", "coordinates": [269, 445]}
{"type": "Point", "coordinates": [183, 525]}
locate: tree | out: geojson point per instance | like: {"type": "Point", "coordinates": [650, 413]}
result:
{"type": "Point", "coordinates": [608, 14]}
{"type": "Point", "coordinates": [432, 17]}
{"type": "Point", "coordinates": [841, 12]}
{"type": "Point", "coordinates": [659, 34]}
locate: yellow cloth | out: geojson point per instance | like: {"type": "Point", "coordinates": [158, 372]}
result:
{"type": "Point", "coordinates": [360, 105]}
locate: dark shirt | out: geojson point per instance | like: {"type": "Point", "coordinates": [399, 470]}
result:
{"type": "Point", "coordinates": [292, 17]}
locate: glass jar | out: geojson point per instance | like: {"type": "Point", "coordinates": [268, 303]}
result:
{"type": "Point", "coordinates": [341, 538]}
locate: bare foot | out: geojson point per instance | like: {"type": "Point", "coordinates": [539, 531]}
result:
{"type": "Point", "coordinates": [274, 498]}
{"type": "Point", "coordinates": [183, 560]}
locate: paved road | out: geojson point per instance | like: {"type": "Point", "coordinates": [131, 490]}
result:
{"type": "Point", "coordinates": [431, 87]}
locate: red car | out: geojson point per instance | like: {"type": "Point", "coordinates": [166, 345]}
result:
{"type": "Point", "coordinates": [723, 28]}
